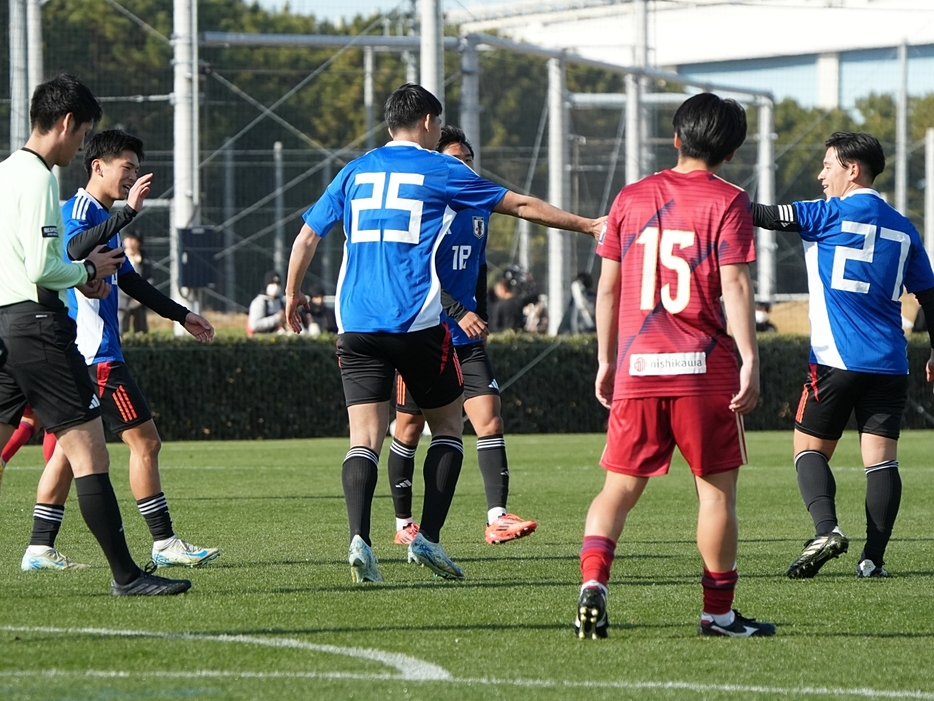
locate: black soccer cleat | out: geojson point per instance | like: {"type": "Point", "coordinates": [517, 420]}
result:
{"type": "Point", "coordinates": [591, 621]}
{"type": "Point", "coordinates": [150, 585]}
{"type": "Point", "coordinates": [741, 627]}
{"type": "Point", "coordinates": [816, 552]}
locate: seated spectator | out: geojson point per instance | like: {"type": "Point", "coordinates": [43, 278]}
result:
{"type": "Point", "coordinates": [267, 310]}
{"type": "Point", "coordinates": [583, 299]}
{"type": "Point", "coordinates": [763, 325]}
{"type": "Point", "coordinates": [319, 318]}
{"type": "Point", "coordinates": [507, 310]}
{"type": "Point", "coordinates": [130, 311]}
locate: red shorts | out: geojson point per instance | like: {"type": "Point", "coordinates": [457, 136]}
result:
{"type": "Point", "coordinates": [642, 435]}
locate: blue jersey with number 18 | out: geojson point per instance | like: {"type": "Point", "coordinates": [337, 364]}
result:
{"type": "Point", "coordinates": [462, 253]}
{"type": "Point", "coordinates": [860, 254]}
{"type": "Point", "coordinates": [397, 203]}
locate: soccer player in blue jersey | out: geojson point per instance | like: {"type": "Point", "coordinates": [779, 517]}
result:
{"type": "Point", "coordinates": [462, 268]}
{"type": "Point", "coordinates": [112, 161]}
{"type": "Point", "coordinates": [860, 254]}
{"type": "Point", "coordinates": [397, 203]}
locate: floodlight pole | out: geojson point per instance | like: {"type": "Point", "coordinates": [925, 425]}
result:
{"type": "Point", "coordinates": [765, 194]}
{"type": "Point", "coordinates": [470, 95]}
{"type": "Point", "coordinates": [929, 191]}
{"type": "Point", "coordinates": [432, 48]}
{"type": "Point", "coordinates": [901, 134]}
{"type": "Point", "coordinates": [184, 39]}
{"type": "Point", "coordinates": [278, 250]}
{"type": "Point", "coordinates": [559, 245]}
{"type": "Point", "coordinates": [19, 76]}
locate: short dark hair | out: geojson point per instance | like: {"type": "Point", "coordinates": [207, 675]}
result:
{"type": "Point", "coordinates": [109, 144]}
{"type": "Point", "coordinates": [408, 104]}
{"type": "Point", "coordinates": [710, 128]}
{"type": "Point", "coordinates": [57, 97]}
{"type": "Point", "coordinates": [859, 146]}
{"type": "Point", "coordinates": [453, 135]}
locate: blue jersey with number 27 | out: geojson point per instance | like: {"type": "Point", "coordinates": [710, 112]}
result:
{"type": "Point", "coordinates": [860, 254]}
{"type": "Point", "coordinates": [397, 203]}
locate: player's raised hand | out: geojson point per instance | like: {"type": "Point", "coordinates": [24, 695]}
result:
{"type": "Point", "coordinates": [139, 191]}
{"type": "Point", "coordinates": [603, 387]}
{"type": "Point", "coordinates": [294, 300]}
{"type": "Point", "coordinates": [199, 327]}
{"type": "Point", "coordinates": [96, 289]}
{"type": "Point", "coordinates": [597, 227]}
{"type": "Point", "coordinates": [107, 261]}
{"type": "Point", "coordinates": [474, 326]}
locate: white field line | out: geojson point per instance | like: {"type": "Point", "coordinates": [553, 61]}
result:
{"type": "Point", "coordinates": [411, 670]}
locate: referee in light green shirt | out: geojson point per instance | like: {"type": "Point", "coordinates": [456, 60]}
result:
{"type": "Point", "coordinates": [44, 367]}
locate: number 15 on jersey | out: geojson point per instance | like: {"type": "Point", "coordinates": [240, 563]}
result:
{"type": "Point", "coordinates": [659, 247]}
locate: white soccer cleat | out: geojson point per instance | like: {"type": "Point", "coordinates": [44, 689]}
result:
{"type": "Point", "coordinates": [178, 553]}
{"type": "Point", "coordinates": [363, 562]}
{"type": "Point", "coordinates": [48, 559]}
{"type": "Point", "coordinates": [432, 556]}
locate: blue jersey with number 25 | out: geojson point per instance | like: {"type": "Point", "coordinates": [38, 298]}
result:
{"type": "Point", "coordinates": [860, 254]}
{"type": "Point", "coordinates": [397, 203]}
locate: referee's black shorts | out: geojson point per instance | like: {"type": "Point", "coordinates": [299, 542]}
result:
{"type": "Point", "coordinates": [425, 359]}
{"type": "Point", "coordinates": [45, 369]}
{"type": "Point", "coordinates": [478, 378]}
{"type": "Point", "coordinates": [831, 394]}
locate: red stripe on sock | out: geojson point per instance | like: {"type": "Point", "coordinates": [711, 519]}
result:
{"type": "Point", "coordinates": [597, 555]}
{"type": "Point", "coordinates": [718, 590]}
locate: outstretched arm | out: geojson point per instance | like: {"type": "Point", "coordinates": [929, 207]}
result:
{"type": "Point", "coordinates": [539, 212]}
{"type": "Point", "coordinates": [777, 217]}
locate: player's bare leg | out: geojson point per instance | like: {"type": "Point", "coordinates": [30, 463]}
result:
{"type": "Point", "coordinates": [406, 435]}
{"type": "Point", "coordinates": [818, 490]}
{"type": "Point", "coordinates": [602, 529]}
{"type": "Point", "coordinates": [442, 469]}
{"type": "Point", "coordinates": [883, 498]}
{"type": "Point", "coordinates": [717, 538]}
{"type": "Point", "coordinates": [359, 473]}
{"type": "Point", "coordinates": [485, 414]}
{"type": "Point", "coordinates": [47, 515]}
{"type": "Point", "coordinates": [168, 550]}
{"type": "Point", "coordinates": [717, 527]}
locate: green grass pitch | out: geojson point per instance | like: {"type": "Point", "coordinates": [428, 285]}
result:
{"type": "Point", "coordinates": [277, 617]}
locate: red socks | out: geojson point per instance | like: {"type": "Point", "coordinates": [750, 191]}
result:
{"type": "Point", "coordinates": [596, 558]}
{"type": "Point", "coordinates": [19, 438]}
{"type": "Point", "coordinates": [718, 591]}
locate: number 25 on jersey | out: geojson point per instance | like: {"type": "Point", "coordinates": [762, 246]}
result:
{"type": "Point", "coordinates": [385, 198]}
{"type": "Point", "coordinates": [659, 247]}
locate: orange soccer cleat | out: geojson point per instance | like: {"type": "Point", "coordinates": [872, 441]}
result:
{"type": "Point", "coordinates": [509, 527]}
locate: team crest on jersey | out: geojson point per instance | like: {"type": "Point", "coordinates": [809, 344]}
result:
{"type": "Point", "coordinates": [50, 232]}
{"type": "Point", "coordinates": [479, 227]}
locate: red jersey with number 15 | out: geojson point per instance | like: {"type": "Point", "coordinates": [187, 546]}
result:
{"type": "Point", "coordinates": [671, 232]}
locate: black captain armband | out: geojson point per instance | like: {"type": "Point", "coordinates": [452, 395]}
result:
{"type": "Point", "coordinates": [91, 269]}
{"type": "Point", "coordinates": [777, 217]}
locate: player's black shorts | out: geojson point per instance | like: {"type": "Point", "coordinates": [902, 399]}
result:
{"type": "Point", "coordinates": [45, 370]}
{"type": "Point", "coordinates": [830, 395]}
{"type": "Point", "coordinates": [478, 378]}
{"type": "Point", "coordinates": [122, 404]}
{"type": "Point", "coordinates": [425, 359]}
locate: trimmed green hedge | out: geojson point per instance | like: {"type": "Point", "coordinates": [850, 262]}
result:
{"type": "Point", "coordinates": [289, 386]}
